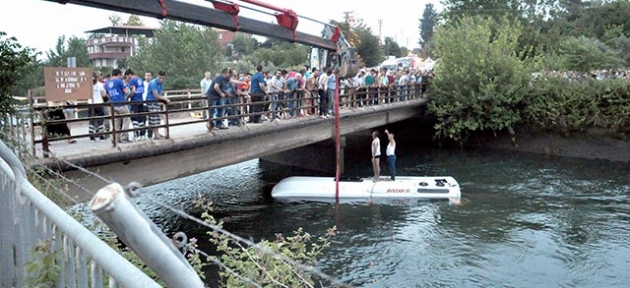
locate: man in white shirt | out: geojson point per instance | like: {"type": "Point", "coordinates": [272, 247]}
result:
{"type": "Point", "coordinates": [98, 92]}
{"type": "Point", "coordinates": [148, 76]}
{"type": "Point", "coordinates": [277, 85]}
{"type": "Point", "coordinates": [205, 85]}
{"type": "Point", "coordinates": [359, 88]}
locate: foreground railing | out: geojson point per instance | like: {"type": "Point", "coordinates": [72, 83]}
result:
{"type": "Point", "coordinates": [239, 109]}
{"type": "Point", "coordinates": [28, 219]}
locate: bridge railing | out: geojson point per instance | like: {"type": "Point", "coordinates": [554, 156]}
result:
{"type": "Point", "coordinates": [239, 109]}
{"type": "Point", "coordinates": [29, 221]}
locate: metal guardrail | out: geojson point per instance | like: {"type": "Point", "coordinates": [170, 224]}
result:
{"type": "Point", "coordinates": [242, 108]}
{"type": "Point", "coordinates": [27, 217]}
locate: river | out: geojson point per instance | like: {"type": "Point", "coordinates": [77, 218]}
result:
{"type": "Point", "coordinates": [526, 221]}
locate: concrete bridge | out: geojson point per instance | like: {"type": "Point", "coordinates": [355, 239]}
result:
{"type": "Point", "coordinates": [304, 142]}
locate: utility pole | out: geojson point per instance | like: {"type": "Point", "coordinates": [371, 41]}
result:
{"type": "Point", "coordinates": [380, 32]}
{"type": "Point", "coordinates": [346, 16]}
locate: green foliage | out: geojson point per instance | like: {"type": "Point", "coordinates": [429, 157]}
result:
{"type": "Point", "coordinates": [65, 48]}
{"type": "Point", "coordinates": [184, 51]}
{"type": "Point", "coordinates": [115, 20]}
{"type": "Point", "coordinates": [404, 51]}
{"type": "Point", "coordinates": [282, 54]}
{"type": "Point", "coordinates": [369, 47]}
{"type": "Point", "coordinates": [557, 104]}
{"type": "Point", "coordinates": [248, 65]}
{"type": "Point", "coordinates": [243, 44]}
{"type": "Point", "coordinates": [495, 9]}
{"type": "Point", "coordinates": [266, 270]}
{"type": "Point", "coordinates": [42, 269]}
{"type": "Point", "coordinates": [586, 54]}
{"type": "Point", "coordinates": [427, 24]}
{"type": "Point", "coordinates": [15, 61]}
{"type": "Point", "coordinates": [480, 82]}
{"type": "Point", "coordinates": [391, 47]}
{"type": "Point", "coordinates": [134, 20]}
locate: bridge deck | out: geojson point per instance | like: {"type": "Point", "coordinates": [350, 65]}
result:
{"type": "Point", "coordinates": [85, 148]}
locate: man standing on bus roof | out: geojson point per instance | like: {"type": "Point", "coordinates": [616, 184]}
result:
{"type": "Point", "coordinates": [390, 151]}
{"type": "Point", "coordinates": [376, 155]}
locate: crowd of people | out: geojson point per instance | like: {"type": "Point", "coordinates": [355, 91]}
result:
{"type": "Point", "coordinates": [595, 74]}
{"type": "Point", "coordinates": [127, 93]}
{"type": "Point", "coordinates": [282, 94]}
{"type": "Point", "coordinates": [234, 99]}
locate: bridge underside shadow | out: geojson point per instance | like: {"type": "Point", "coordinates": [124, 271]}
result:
{"type": "Point", "coordinates": [319, 156]}
{"type": "Point", "coordinates": [153, 163]}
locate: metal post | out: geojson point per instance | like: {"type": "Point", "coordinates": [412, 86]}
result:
{"type": "Point", "coordinates": [112, 127]}
{"type": "Point", "coordinates": [45, 146]}
{"type": "Point", "coordinates": [189, 103]}
{"type": "Point", "coordinates": [166, 122]}
{"type": "Point", "coordinates": [133, 227]}
{"type": "Point", "coordinates": [337, 140]}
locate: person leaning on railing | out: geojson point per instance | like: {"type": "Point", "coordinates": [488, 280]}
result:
{"type": "Point", "coordinates": [118, 96]}
{"type": "Point", "coordinates": [154, 92]}
{"type": "Point", "coordinates": [258, 94]}
{"type": "Point", "coordinates": [311, 91]}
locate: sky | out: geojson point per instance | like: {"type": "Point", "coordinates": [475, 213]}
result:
{"type": "Point", "coordinates": [38, 24]}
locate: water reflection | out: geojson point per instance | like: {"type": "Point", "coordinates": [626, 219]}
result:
{"type": "Point", "coordinates": [528, 221]}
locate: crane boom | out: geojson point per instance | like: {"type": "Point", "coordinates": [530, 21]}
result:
{"type": "Point", "coordinates": [206, 16]}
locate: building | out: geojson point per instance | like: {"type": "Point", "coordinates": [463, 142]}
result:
{"type": "Point", "coordinates": [109, 44]}
{"type": "Point", "coordinates": [225, 38]}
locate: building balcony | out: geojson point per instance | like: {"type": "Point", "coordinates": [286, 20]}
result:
{"type": "Point", "coordinates": [113, 41]}
{"type": "Point", "coordinates": [109, 55]}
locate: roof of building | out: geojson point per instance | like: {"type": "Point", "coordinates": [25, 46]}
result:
{"type": "Point", "coordinates": [132, 30]}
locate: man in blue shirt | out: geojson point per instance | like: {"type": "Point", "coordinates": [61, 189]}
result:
{"type": "Point", "coordinates": [258, 93]}
{"type": "Point", "coordinates": [118, 96]}
{"type": "Point", "coordinates": [154, 94]}
{"type": "Point", "coordinates": [217, 97]}
{"type": "Point", "coordinates": [293, 85]}
{"type": "Point", "coordinates": [137, 84]}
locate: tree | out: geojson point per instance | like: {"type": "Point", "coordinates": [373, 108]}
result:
{"type": "Point", "coordinates": [15, 62]}
{"type": "Point", "coordinates": [404, 51]}
{"type": "Point", "coordinates": [68, 47]}
{"type": "Point", "coordinates": [244, 44]}
{"type": "Point", "coordinates": [496, 9]}
{"type": "Point", "coordinates": [115, 20]}
{"type": "Point", "coordinates": [480, 82]}
{"type": "Point", "coordinates": [427, 24]}
{"type": "Point", "coordinates": [134, 20]}
{"type": "Point", "coordinates": [586, 54]}
{"type": "Point", "coordinates": [390, 47]}
{"type": "Point", "coordinates": [285, 55]}
{"type": "Point", "coordinates": [184, 51]}
{"type": "Point", "coordinates": [369, 47]}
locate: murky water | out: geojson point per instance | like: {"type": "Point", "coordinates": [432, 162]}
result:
{"type": "Point", "coordinates": [526, 221]}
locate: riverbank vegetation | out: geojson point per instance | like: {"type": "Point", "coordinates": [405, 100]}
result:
{"type": "Point", "coordinates": [548, 65]}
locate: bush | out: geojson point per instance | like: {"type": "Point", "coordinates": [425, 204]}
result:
{"type": "Point", "coordinates": [260, 267]}
{"type": "Point", "coordinates": [480, 82]}
{"type": "Point", "coordinates": [557, 104]}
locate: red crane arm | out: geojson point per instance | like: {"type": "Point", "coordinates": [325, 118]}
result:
{"type": "Point", "coordinates": [287, 18]}
{"type": "Point", "coordinates": [206, 16]}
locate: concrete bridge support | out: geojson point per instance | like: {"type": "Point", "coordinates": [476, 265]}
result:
{"type": "Point", "coordinates": [319, 156]}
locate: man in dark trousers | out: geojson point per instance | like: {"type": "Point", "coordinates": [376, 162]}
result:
{"type": "Point", "coordinates": [390, 151]}
{"type": "Point", "coordinates": [258, 93]}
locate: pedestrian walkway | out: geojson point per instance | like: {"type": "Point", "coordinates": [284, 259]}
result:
{"type": "Point", "coordinates": [83, 146]}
